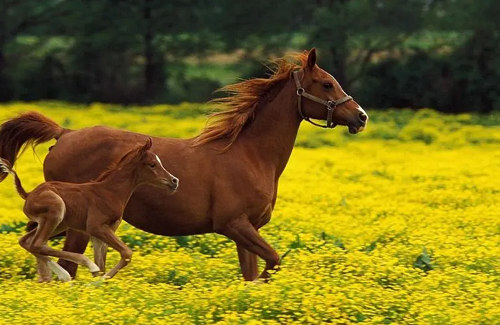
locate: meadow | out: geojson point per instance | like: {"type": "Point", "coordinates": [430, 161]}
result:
{"type": "Point", "coordinates": [397, 225]}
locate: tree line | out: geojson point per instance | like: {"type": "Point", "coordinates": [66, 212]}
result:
{"type": "Point", "coordinates": [387, 53]}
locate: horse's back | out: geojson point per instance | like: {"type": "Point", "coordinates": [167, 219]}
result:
{"type": "Point", "coordinates": [80, 156]}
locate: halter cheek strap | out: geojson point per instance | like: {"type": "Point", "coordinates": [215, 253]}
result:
{"type": "Point", "coordinates": [330, 104]}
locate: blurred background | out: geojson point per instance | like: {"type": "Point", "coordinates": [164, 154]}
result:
{"type": "Point", "coordinates": [441, 54]}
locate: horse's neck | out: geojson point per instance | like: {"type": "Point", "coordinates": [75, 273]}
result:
{"type": "Point", "coordinates": [274, 129]}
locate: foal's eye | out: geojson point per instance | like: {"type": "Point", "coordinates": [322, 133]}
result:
{"type": "Point", "coordinates": [152, 165]}
{"type": "Point", "coordinates": [328, 85]}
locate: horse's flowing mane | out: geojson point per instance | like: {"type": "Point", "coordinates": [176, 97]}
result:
{"type": "Point", "coordinates": [239, 106]}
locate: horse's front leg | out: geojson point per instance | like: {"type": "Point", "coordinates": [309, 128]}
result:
{"type": "Point", "coordinates": [76, 242]}
{"type": "Point", "coordinates": [248, 263]}
{"type": "Point", "coordinates": [245, 235]}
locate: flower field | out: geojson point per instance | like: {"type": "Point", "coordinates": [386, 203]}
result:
{"type": "Point", "coordinates": [397, 225]}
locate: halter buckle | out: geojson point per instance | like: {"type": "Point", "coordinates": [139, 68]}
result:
{"type": "Point", "coordinates": [331, 105]}
{"type": "Point", "coordinates": [300, 91]}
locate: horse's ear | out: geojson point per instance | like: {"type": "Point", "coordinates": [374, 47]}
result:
{"type": "Point", "coordinates": [311, 58]}
{"type": "Point", "coordinates": [146, 147]}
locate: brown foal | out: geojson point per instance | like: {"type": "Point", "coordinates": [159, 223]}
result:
{"type": "Point", "coordinates": [95, 208]}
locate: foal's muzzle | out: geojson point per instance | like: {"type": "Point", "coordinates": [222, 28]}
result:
{"type": "Point", "coordinates": [171, 183]}
{"type": "Point", "coordinates": [174, 184]}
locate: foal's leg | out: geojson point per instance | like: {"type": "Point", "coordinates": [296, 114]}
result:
{"type": "Point", "coordinates": [248, 263]}
{"type": "Point", "coordinates": [44, 263]}
{"type": "Point", "coordinates": [100, 250]}
{"type": "Point", "coordinates": [40, 247]}
{"type": "Point", "coordinates": [246, 236]}
{"type": "Point", "coordinates": [43, 269]}
{"type": "Point", "coordinates": [108, 236]}
{"type": "Point", "coordinates": [50, 224]}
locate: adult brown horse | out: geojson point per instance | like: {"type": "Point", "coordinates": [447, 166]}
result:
{"type": "Point", "coordinates": [229, 173]}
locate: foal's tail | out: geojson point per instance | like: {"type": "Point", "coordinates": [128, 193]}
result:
{"type": "Point", "coordinates": [30, 128]}
{"type": "Point", "coordinates": [6, 167]}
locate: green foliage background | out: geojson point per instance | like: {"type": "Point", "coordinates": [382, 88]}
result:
{"type": "Point", "coordinates": [387, 53]}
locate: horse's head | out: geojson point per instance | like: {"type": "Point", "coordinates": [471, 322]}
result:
{"type": "Point", "coordinates": [321, 97]}
{"type": "Point", "coordinates": [150, 169]}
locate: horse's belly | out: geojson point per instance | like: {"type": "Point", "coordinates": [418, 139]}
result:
{"type": "Point", "coordinates": [168, 226]}
{"type": "Point", "coordinates": [168, 216]}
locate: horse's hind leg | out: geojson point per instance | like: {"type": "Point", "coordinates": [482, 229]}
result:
{"type": "Point", "coordinates": [246, 236]}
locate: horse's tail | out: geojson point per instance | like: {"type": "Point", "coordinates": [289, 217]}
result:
{"type": "Point", "coordinates": [30, 128]}
{"type": "Point", "coordinates": [6, 167]}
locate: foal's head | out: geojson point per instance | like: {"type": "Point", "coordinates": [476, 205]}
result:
{"type": "Point", "coordinates": [150, 170]}
{"type": "Point", "coordinates": [317, 82]}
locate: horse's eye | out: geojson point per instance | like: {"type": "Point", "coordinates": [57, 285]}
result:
{"type": "Point", "coordinates": [152, 165]}
{"type": "Point", "coordinates": [328, 85]}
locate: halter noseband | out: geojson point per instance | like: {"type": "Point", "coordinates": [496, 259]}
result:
{"type": "Point", "coordinates": [330, 104]}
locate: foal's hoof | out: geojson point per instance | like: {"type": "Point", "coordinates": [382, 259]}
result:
{"type": "Point", "coordinates": [93, 268]}
{"type": "Point", "coordinates": [64, 277]}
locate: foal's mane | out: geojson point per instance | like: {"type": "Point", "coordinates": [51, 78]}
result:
{"type": "Point", "coordinates": [238, 108]}
{"type": "Point", "coordinates": [115, 164]}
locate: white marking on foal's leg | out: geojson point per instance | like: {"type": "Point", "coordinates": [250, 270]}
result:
{"type": "Point", "coordinates": [61, 273]}
{"type": "Point", "coordinates": [100, 250]}
{"type": "Point", "coordinates": [43, 270]}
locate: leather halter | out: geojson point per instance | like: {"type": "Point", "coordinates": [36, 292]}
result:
{"type": "Point", "coordinates": [331, 105]}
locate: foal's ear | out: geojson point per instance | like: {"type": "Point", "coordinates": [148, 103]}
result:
{"type": "Point", "coordinates": [146, 147]}
{"type": "Point", "coordinates": [311, 58]}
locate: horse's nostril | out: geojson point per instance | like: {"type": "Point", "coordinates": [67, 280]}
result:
{"type": "Point", "coordinates": [363, 117]}
{"type": "Point", "coordinates": [175, 180]}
